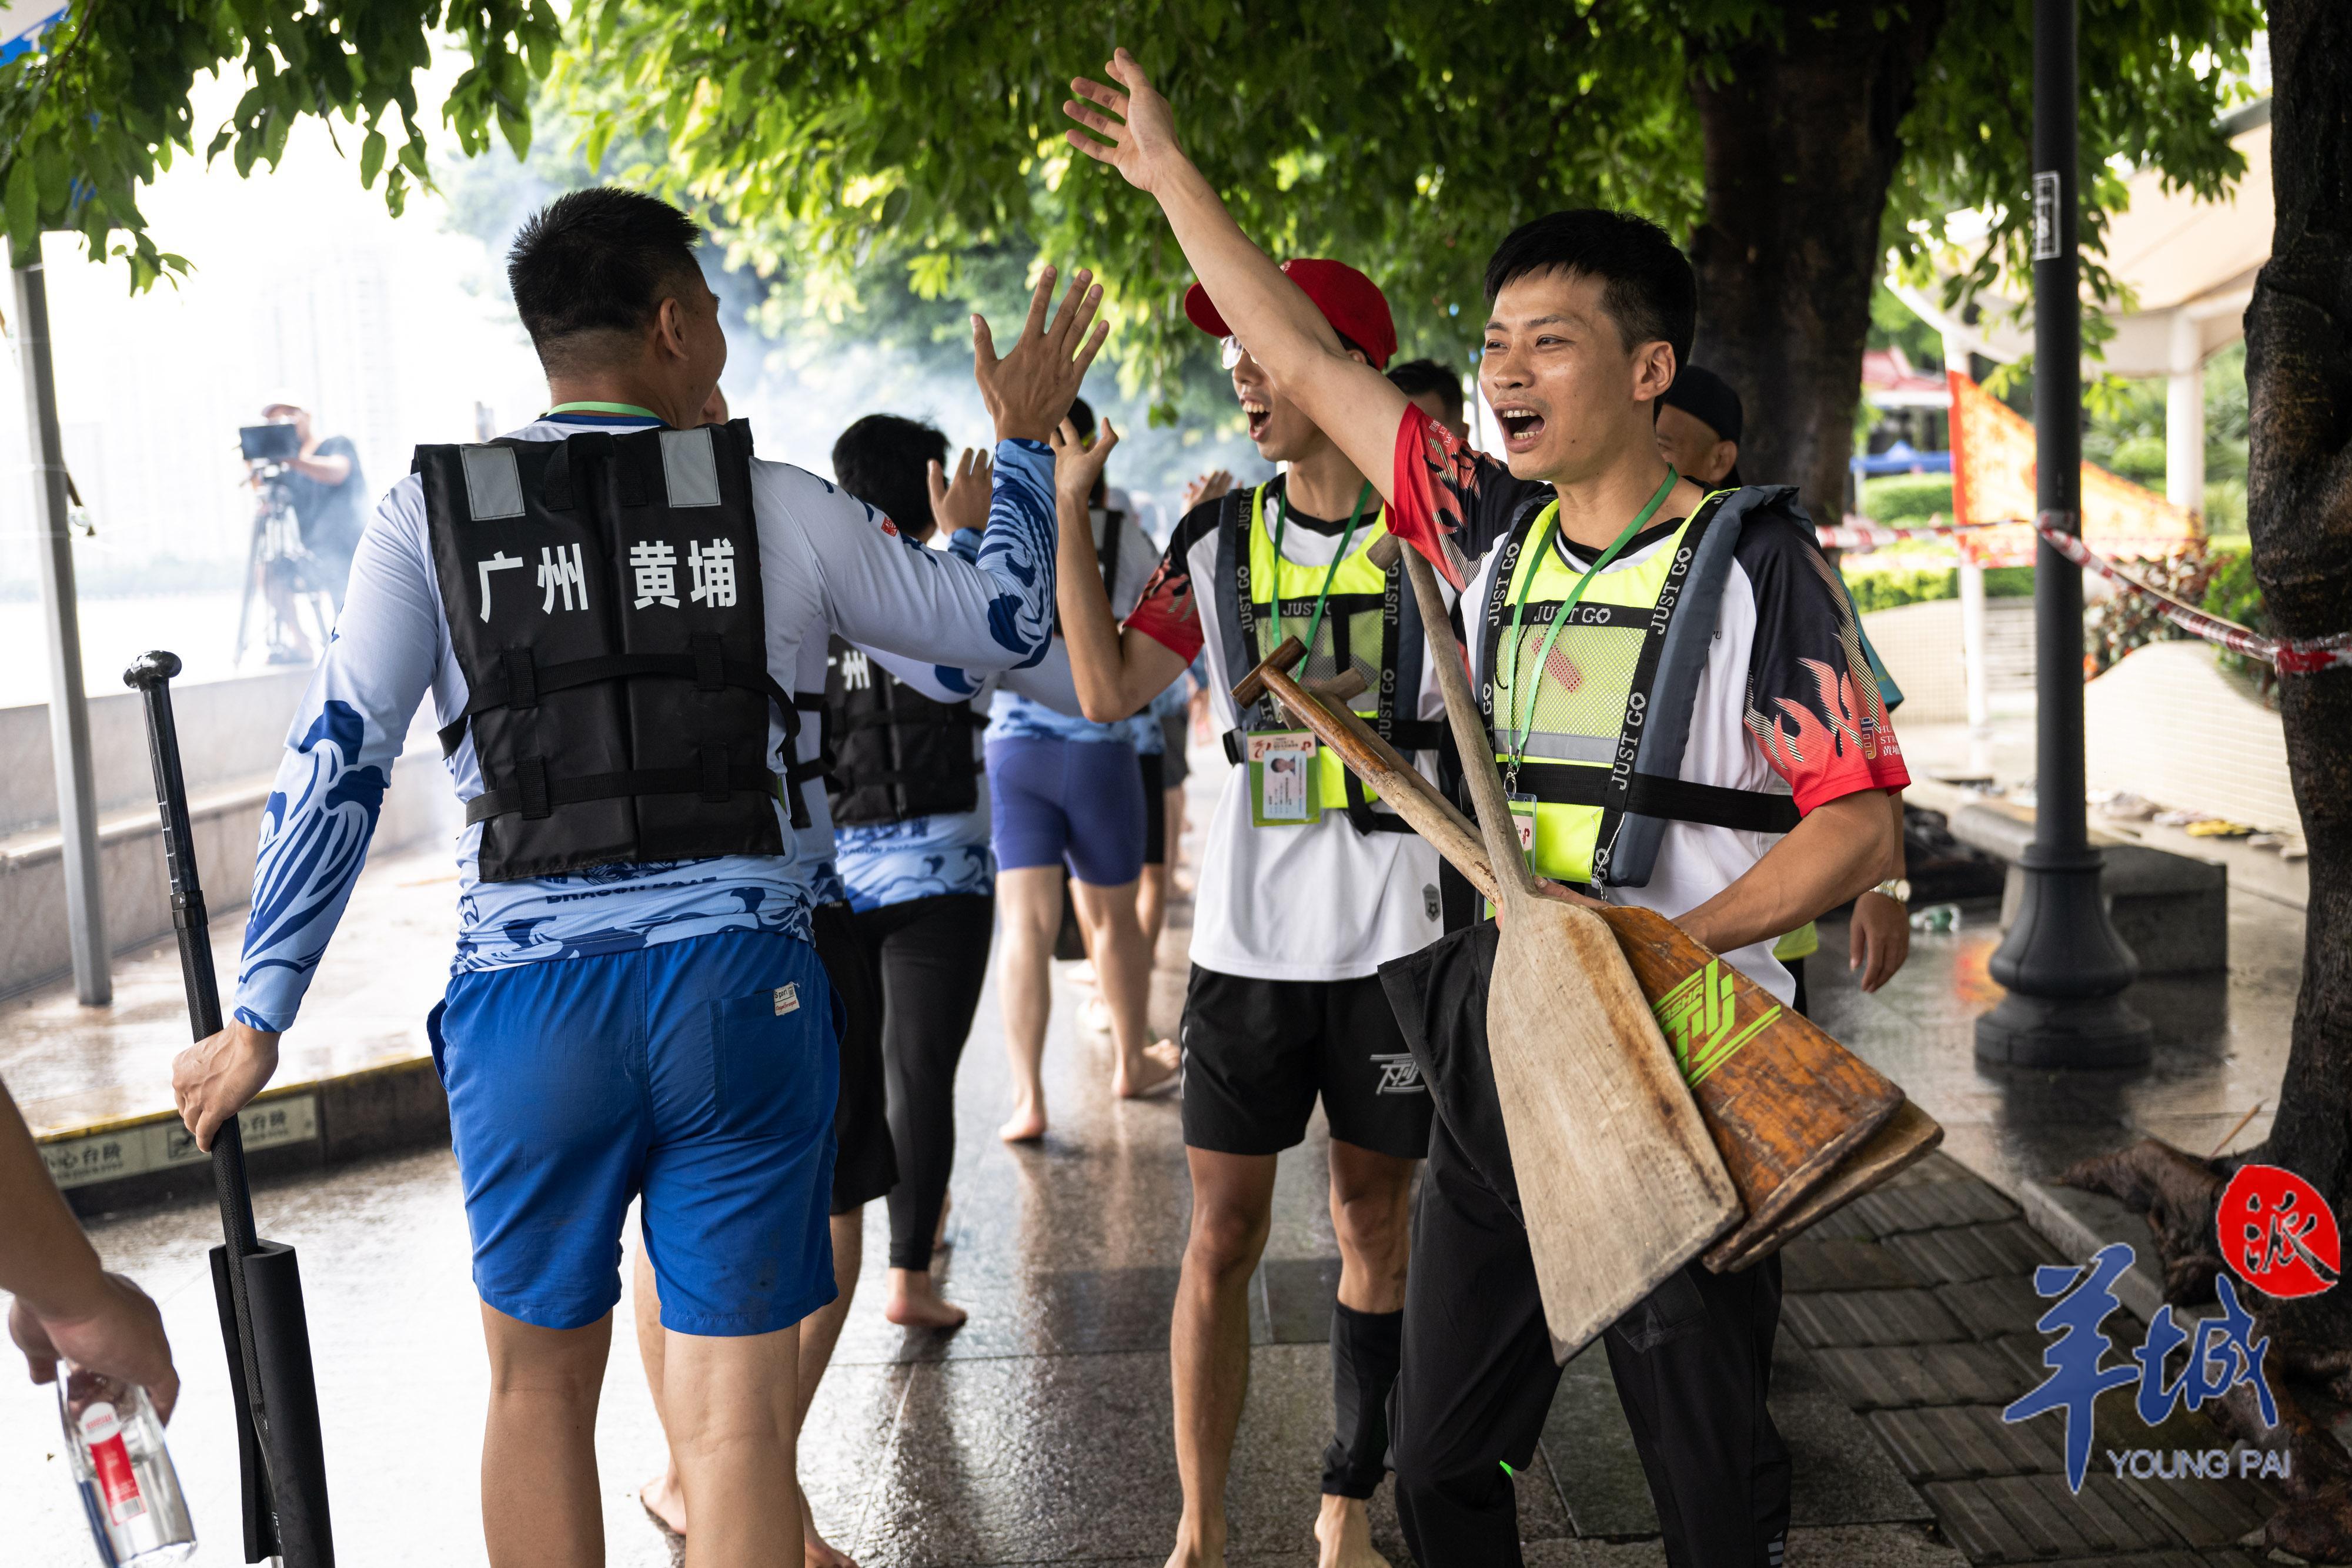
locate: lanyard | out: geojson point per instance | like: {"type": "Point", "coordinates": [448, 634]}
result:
{"type": "Point", "coordinates": [604, 408]}
{"type": "Point", "coordinates": [1550, 520]}
{"type": "Point", "coordinates": [1281, 522]}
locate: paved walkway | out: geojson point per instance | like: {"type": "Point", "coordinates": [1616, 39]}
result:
{"type": "Point", "coordinates": [1040, 1432]}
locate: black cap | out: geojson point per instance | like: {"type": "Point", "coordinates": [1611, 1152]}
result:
{"type": "Point", "coordinates": [1707, 398]}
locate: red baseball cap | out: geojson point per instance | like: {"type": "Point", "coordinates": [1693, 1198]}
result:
{"type": "Point", "coordinates": [1351, 302]}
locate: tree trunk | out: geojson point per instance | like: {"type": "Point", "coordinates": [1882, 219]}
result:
{"type": "Point", "coordinates": [2299, 512]}
{"type": "Point", "coordinates": [1801, 142]}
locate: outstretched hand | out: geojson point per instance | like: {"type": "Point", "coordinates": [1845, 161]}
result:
{"type": "Point", "coordinates": [1029, 391]}
{"type": "Point", "coordinates": [1142, 136]}
{"type": "Point", "coordinates": [1077, 465]}
{"type": "Point", "coordinates": [962, 504]}
{"type": "Point", "coordinates": [1208, 486]}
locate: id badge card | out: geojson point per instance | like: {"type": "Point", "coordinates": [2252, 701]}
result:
{"type": "Point", "coordinates": [1523, 823]}
{"type": "Point", "coordinates": [1281, 778]}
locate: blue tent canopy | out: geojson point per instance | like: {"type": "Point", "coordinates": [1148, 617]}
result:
{"type": "Point", "coordinates": [1903, 458]}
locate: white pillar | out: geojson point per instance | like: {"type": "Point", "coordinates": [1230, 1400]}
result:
{"type": "Point", "coordinates": [1972, 645]}
{"type": "Point", "coordinates": [2184, 417]}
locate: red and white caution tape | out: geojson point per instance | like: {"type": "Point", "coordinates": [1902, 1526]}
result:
{"type": "Point", "coordinates": [1870, 536]}
{"type": "Point", "coordinates": [2289, 656]}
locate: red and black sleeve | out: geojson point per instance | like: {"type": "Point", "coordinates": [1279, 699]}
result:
{"type": "Point", "coordinates": [1813, 705]}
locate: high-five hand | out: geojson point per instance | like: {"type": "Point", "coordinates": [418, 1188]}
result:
{"type": "Point", "coordinates": [1030, 390]}
{"type": "Point", "coordinates": [1142, 138]}
{"type": "Point", "coordinates": [1077, 465]}
{"type": "Point", "coordinates": [962, 503]}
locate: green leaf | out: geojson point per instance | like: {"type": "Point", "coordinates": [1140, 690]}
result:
{"type": "Point", "coordinates": [370, 158]}
{"type": "Point", "coordinates": [23, 205]}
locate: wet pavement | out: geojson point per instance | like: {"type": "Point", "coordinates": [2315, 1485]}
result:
{"type": "Point", "coordinates": [1040, 1433]}
{"type": "Point", "coordinates": [71, 1067]}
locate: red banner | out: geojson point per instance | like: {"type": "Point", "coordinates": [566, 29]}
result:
{"type": "Point", "coordinates": [1993, 473]}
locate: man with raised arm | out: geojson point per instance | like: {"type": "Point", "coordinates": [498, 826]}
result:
{"type": "Point", "coordinates": [1631, 596]}
{"type": "Point", "coordinates": [610, 610]}
{"type": "Point", "coordinates": [1307, 886]}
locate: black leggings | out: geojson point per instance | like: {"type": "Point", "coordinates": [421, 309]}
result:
{"type": "Point", "coordinates": [928, 958]}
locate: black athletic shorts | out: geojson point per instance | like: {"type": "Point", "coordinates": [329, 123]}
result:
{"type": "Point", "coordinates": [1155, 809]}
{"type": "Point", "coordinates": [865, 1162]}
{"type": "Point", "coordinates": [1258, 1053]}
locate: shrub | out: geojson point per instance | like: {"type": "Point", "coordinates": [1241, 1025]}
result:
{"type": "Point", "coordinates": [2231, 593]}
{"type": "Point", "coordinates": [2140, 459]}
{"type": "Point", "coordinates": [1883, 583]}
{"type": "Point", "coordinates": [1905, 497]}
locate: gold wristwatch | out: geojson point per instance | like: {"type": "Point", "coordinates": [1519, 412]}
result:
{"type": "Point", "coordinates": [1897, 888]}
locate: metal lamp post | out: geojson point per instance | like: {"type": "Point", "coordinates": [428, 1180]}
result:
{"type": "Point", "coordinates": [2063, 965]}
{"type": "Point", "coordinates": [69, 707]}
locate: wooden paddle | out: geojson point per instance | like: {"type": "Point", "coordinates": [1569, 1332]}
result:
{"type": "Point", "coordinates": [1619, 1180]}
{"type": "Point", "coordinates": [1802, 1125]}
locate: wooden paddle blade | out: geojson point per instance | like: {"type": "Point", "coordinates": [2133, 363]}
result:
{"type": "Point", "coordinates": [1903, 1140]}
{"type": "Point", "coordinates": [1785, 1102]}
{"type": "Point", "coordinates": [1619, 1182]}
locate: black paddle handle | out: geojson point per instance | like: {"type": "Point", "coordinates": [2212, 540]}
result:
{"type": "Point", "coordinates": [151, 675]}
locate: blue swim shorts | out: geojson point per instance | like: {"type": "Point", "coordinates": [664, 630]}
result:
{"type": "Point", "coordinates": [700, 1073]}
{"type": "Point", "coordinates": [1079, 800]}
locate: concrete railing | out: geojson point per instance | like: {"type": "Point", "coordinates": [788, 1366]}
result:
{"type": "Point", "coordinates": [229, 731]}
{"type": "Point", "coordinates": [231, 736]}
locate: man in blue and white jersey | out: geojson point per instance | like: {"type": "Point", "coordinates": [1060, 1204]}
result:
{"type": "Point", "coordinates": [623, 1022]}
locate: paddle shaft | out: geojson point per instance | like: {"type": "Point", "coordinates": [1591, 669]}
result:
{"type": "Point", "coordinates": [152, 678]}
{"type": "Point", "coordinates": [1507, 867]}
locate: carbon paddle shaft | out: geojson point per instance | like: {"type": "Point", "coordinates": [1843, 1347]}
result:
{"type": "Point", "coordinates": [257, 1284]}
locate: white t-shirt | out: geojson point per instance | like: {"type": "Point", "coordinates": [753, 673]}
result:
{"type": "Point", "coordinates": [1321, 902]}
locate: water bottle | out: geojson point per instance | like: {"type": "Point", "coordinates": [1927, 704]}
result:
{"type": "Point", "coordinates": [129, 1489]}
{"type": "Point", "coordinates": [1941, 917]}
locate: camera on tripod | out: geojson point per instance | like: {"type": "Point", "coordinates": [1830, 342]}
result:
{"type": "Point", "coordinates": [270, 443]}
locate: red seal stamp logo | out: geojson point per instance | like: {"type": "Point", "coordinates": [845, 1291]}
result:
{"type": "Point", "coordinates": [2278, 1233]}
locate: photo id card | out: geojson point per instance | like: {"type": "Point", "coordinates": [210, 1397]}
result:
{"type": "Point", "coordinates": [1523, 821]}
{"type": "Point", "coordinates": [1281, 778]}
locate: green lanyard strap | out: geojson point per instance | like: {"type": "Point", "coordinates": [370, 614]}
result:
{"type": "Point", "coordinates": [1550, 520]}
{"type": "Point", "coordinates": [1363, 498]}
{"type": "Point", "coordinates": [629, 408]}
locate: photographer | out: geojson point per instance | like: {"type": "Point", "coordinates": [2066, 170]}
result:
{"type": "Point", "coordinates": [321, 485]}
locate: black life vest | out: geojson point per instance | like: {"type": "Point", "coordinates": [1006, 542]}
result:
{"type": "Point", "coordinates": [896, 753]}
{"type": "Point", "coordinates": [603, 600]}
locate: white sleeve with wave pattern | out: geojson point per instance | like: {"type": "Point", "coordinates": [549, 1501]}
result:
{"type": "Point", "coordinates": [321, 812]}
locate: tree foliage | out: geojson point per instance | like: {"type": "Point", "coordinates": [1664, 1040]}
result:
{"type": "Point", "coordinates": [95, 109]}
{"type": "Point", "coordinates": [1407, 138]}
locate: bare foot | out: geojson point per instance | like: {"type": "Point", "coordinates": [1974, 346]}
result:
{"type": "Point", "coordinates": [1095, 1013]}
{"type": "Point", "coordinates": [1196, 1552]}
{"type": "Point", "coordinates": [1026, 1125]}
{"type": "Point", "coordinates": [914, 1302]}
{"type": "Point", "coordinates": [1160, 1062]}
{"type": "Point", "coordinates": [815, 1551]}
{"type": "Point", "coordinates": [665, 1500]}
{"type": "Point", "coordinates": [1346, 1535]}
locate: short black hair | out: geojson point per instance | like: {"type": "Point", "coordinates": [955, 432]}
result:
{"type": "Point", "coordinates": [1082, 418]}
{"type": "Point", "coordinates": [1415, 377]}
{"type": "Point", "coordinates": [885, 461]}
{"type": "Point", "coordinates": [1646, 284]}
{"type": "Point", "coordinates": [599, 260]}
